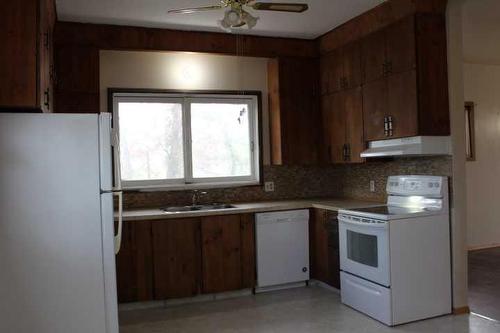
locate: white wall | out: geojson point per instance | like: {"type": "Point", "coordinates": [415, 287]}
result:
{"type": "Point", "coordinates": [482, 86]}
{"type": "Point", "coordinates": [187, 71]}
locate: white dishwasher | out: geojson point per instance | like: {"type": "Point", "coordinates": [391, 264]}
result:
{"type": "Point", "coordinates": [282, 249]}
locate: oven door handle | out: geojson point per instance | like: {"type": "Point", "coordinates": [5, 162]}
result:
{"type": "Point", "coordinates": [382, 225]}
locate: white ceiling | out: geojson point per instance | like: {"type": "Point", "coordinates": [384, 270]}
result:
{"type": "Point", "coordinates": [481, 31]}
{"type": "Point", "coordinates": [322, 16]}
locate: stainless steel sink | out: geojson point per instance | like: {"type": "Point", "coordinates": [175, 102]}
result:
{"type": "Point", "coordinates": [193, 208]}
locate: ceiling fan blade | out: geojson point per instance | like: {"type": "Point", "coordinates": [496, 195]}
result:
{"type": "Point", "coordinates": [281, 7]}
{"type": "Point", "coordinates": [194, 10]}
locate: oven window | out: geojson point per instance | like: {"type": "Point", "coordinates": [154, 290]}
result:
{"type": "Point", "coordinates": [362, 248]}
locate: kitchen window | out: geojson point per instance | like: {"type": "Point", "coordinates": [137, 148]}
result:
{"type": "Point", "coordinates": [172, 140]}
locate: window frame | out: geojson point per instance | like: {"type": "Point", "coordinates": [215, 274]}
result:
{"type": "Point", "coordinates": [253, 98]}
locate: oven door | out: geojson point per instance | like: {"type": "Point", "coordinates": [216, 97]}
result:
{"type": "Point", "coordinates": [364, 248]}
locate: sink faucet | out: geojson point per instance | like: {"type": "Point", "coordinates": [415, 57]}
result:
{"type": "Point", "coordinates": [196, 196]}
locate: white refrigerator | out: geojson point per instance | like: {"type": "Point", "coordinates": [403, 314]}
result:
{"type": "Point", "coordinates": [57, 238]}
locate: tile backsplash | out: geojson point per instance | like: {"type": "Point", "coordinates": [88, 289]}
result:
{"type": "Point", "coordinates": [295, 182]}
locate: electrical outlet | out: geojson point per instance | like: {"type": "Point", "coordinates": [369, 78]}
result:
{"type": "Point", "coordinates": [269, 186]}
{"type": "Point", "coordinates": [372, 186]}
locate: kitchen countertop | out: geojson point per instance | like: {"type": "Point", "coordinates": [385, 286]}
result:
{"type": "Point", "coordinates": [333, 204]}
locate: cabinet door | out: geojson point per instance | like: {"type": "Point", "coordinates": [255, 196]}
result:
{"type": "Point", "coordinates": [134, 263]}
{"type": "Point", "coordinates": [374, 109]}
{"type": "Point", "coordinates": [176, 248]}
{"type": "Point", "coordinates": [373, 56]}
{"type": "Point", "coordinates": [221, 253]}
{"type": "Point", "coordinates": [325, 70]}
{"type": "Point", "coordinates": [338, 127]}
{"type": "Point", "coordinates": [354, 124]}
{"type": "Point", "coordinates": [400, 45]}
{"type": "Point", "coordinates": [336, 71]}
{"type": "Point", "coordinates": [326, 120]}
{"type": "Point", "coordinates": [248, 268]}
{"type": "Point", "coordinates": [332, 226]}
{"type": "Point", "coordinates": [402, 103]}
{"type": "Point", "coordinates": [18, 59]}
{"type": "Point", "coordinates": [351, 57]}
{"type": "Point", "coordinates": [318, 232]}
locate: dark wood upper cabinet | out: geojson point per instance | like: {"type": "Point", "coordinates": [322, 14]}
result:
{"type": "Point", "coordinates": [373, 56]}
{"type": "Point", "coordinates": [294, 111]}
{"type": "Point", "coordinates": [343, 126]}
{"type": "Point", "coordinates": [134, 263]}
{"type": "Point", "coordinates": [400, 46]}
{"type": "Point", "coordinates": [390, 50]}
{"type": "Point", "coordinates": [26, 56]}
{"type": "Point", "coordinates": [351, 58]}
{"type": "Point", "coordinates": [341, 69]}
{"type": "Point", "coordinates": [177, 258]}
{"type": "Point", "coordinates": [411, 97]}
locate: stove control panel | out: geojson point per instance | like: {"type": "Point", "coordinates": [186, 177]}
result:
{"type": "Point", "coordinates": [431, 186]}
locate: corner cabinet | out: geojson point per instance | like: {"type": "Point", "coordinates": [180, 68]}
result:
{"type": "Point", "coordinates": [294, 112]}
{"type": "Point", "coordinates": [176, 258]}
{"type": "Point", "coordinates": [26, 55]}
{"type": "Point", "coordinates": [405, 87]}
{"type": "Point", "coordinates": [324, 246]}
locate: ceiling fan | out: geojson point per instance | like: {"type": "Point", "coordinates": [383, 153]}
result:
{"type": "Point", "coordinates": [236, 16]}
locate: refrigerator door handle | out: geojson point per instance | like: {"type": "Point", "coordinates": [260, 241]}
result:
{"type": "Point", "coordinates": [118, 236]}
{"type": "Point", "coordinates": [116, 156]}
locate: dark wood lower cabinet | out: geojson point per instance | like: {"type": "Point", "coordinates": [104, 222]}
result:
{"type": "Point", "coordinates": [221, 251]}
{"type": "Point", "coordinates": [177, 258]}
{"type": "Point", "coordinates": [134, 263]}
{"type": "Point", "coordinates": [324, 247]}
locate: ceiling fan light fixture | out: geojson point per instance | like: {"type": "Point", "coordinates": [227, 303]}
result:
{"type": "Point", "coordinates": [249, 19]}
{"type": "Point", "coordinates": [231, 17]}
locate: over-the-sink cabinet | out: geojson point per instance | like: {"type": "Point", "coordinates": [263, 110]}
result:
{"type": "Point", "coordinates": [343, 126]}
{"type": "Point", "coordinates": [26, 56]}
{"type": "Point", "coordinates": [324, 246]}
{"type": "Point", "coordinates": [175, 258]}
{"type": "Point", "coordinates": [405, 79]}
{"type": "Point", "coordinates": [228, 252]}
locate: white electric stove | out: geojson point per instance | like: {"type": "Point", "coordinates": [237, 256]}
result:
{"type": "Point", "coordinates": [395, 259]}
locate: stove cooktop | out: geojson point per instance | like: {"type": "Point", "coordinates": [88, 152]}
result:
{"type": "Point", "coordinates": [388, 212]}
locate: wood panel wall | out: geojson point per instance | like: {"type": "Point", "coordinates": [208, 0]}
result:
{"type": "Point", "coordinates": [77, 48]}
{"type": "Point", "coordinates": [376, 19]}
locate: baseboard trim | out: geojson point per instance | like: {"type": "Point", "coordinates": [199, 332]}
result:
{"type": "Point", "coordinates": [323, 285]}
{"type": "Point", "coordinates": [483, 247]}
{"type": "Point", "coordinates": [462, 310]}
{"type": "Point", "coordinates": [186, 300]}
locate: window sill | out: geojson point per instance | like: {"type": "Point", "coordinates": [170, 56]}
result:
{"type": "Point", "coordinates": [187, 187]}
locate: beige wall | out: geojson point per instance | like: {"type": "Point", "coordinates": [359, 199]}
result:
{"type": "Point", "coordinates": [187, 71]}
{"type": "Point", "coordinates": [482, 86]}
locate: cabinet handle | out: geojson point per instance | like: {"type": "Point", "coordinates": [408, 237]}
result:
{"type": "Point", "coordinates": [348, 151]}
{"type": "Point", "coordinates": [386, 126]}
{"type": "Point", "coordinates": [389, 67]}
{"type": "Point", "coordinates": [389, 125]}
{"type": "Point", "coordinates": [46, 40]}
{"type": "Point", "coordinates": [345, 152]}
{"type": "Point", "coordinates": [384, 68]}
{"type": "Point", "coordinates": [46, 94]}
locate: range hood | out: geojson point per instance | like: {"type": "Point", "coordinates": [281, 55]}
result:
{"type": "Point", "coordinates": [412, 146]}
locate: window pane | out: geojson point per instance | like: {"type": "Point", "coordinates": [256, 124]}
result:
{"type": "Point", "coordinates": [151, 145]}
{"type": "Point", "coordinates": [220, 140]}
